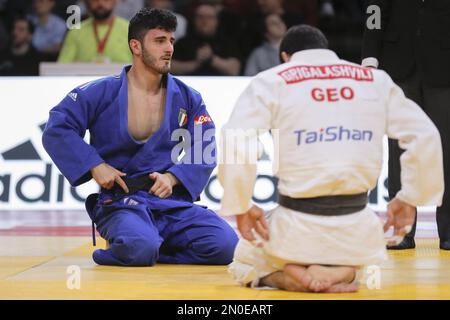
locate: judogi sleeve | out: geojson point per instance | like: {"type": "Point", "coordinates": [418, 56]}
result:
{"type": "Point", "coordinates": [64, 132]}
{"type": "Point", "coordinates": [422, 177]}
{"type": "Point", "coordinates": [195, 168]}
{"type": "Point", "coordinates": [239, 145]}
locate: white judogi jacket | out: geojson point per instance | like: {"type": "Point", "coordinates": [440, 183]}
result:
{"type": "Point", "coordinates": [330, 117]}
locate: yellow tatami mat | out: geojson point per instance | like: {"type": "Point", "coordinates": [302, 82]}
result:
{"type": "Point", "coordinates": [54, 267]}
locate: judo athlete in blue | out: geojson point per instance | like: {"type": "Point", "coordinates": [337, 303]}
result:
{"type": "Point", "coordinates": [145, 209]}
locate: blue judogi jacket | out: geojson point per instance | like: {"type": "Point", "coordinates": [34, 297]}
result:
{"type": "Point", "coordinates": [101, 106]}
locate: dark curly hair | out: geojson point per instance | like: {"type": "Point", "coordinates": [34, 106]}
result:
{"type": "Point", "coordinates": [150, 18]}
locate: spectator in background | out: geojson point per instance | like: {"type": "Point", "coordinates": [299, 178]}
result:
{"type": "Point", "coordinates": [101, 38]}
{"type": "Point", "coordinates": [49, 29]}
{"type": "Point", "coordinates": [267, 56]}
{"type": "Point", "coordinates": [276, 7]}
{"type": "Point", "coordinates": [21, 59]}
{"type": "Point", "coordinates": [206, 51]}
{"type": "Point", "coordinates": [168, 5]}
{"type": "Point", "coordinates": [253, 36]}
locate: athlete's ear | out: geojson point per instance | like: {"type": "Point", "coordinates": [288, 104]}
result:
{"type": "Point", "coordinates": [285, 57]}
{"type": "Point", "coordinates": [135, 46]}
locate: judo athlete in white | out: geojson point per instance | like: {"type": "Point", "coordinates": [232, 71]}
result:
{"type": "Point", "coordinates": [330, 117]}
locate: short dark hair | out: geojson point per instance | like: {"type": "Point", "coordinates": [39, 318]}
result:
{"type": "Point", "coordinates": [21, 17]}
{"type": "Point", "coordinates": [302, 37]}
{"type": "Point", "coordinates": [151, 18]}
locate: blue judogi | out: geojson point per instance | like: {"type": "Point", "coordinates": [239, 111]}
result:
{"type": "Point", "coordinates": [141, 228]}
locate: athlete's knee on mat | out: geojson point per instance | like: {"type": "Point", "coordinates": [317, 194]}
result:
{"type": "Point", "coordinates": [136, 251]}
{"type": "Point", "coordinates": [217, 248]}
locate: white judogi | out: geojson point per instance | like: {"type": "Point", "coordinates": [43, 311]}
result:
{"type": "Point", "coordinates": [328, 117]}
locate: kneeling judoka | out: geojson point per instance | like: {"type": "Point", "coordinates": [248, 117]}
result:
{"type": "Point", "coordinates": [145, 209]}
{"type": "Point", "coordinates": [328, 118]}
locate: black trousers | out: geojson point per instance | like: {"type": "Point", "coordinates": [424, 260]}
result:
{"type": "Point", "coordinates": [436, 104]}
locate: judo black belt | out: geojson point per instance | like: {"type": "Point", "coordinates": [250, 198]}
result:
{"type": "Point", "coordinates": [142, 183]}
{"type": "Point", "coordinates": [326, 206]}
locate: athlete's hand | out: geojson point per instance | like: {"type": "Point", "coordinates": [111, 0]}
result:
{"type": "Point", "coordinates": [401, 216]}
{"type": "Point", "coordinates": [106, 176]}
{"type": "Point", "coordinates": [253, 219]}
{"type": "Point", "coordinates": [164, 184]}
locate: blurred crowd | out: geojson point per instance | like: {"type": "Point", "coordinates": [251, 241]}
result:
{"type": "Point", "coordinates": [214, 37]}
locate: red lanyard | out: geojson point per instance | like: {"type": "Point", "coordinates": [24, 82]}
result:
{"type": "Point", "coordinates": [102, 43]}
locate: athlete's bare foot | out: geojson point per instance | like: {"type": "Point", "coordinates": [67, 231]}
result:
{"type": "Point", "coordinates": [298, 274]}
{"type": "Point", "coordinates": [315, 278]}
{"type": "Point", "coordinates": [295, 279]}
{"type": "Point", "coordinates": [324, 278]}
{"type": "Point", "coordinates": [312, 281]}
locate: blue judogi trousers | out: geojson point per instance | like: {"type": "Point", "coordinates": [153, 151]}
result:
{"type": "Point", "coordinates": [142, 232]}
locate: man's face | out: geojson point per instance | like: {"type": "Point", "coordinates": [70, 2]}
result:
{"type": "Point", "coordinates": [275, 26]}
{"type": "Point", "coordinates": [206, 20]}
{"type": "Point", "coordinates": [101, 9]}
{"type": "Point", "coordinates": [20, 33]}
{"type": "Point", "coordinates": [43, 7]}
{"type": "Point", "coordinates": [157, 50]}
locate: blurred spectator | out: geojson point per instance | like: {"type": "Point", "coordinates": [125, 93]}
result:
{"type": "Point", "coordinates": [21, 59]}
{"type": "Point", "coordinates": [206, 51]}
{"type": "Point", "coordinates": [49, 29]}
{"type": "Point", "coordinates": [252, 35]}
{"type": "Point", "coordinates": [101, 38]}
{"type": "Point", "coordinates": [128, 8]}
{"type": "Point", "coordinates": [181, 20]}
{"type": "Point", "coordinates": [276, 7]}
{"type": "Point", "coordinates": [267, 56]}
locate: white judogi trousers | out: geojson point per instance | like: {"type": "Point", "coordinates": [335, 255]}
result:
{"type": "Point", "coordinates": [294, 237]}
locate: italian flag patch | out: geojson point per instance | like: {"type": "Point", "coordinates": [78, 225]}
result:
{"type": "Point", "coordinates": [182, 117]}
